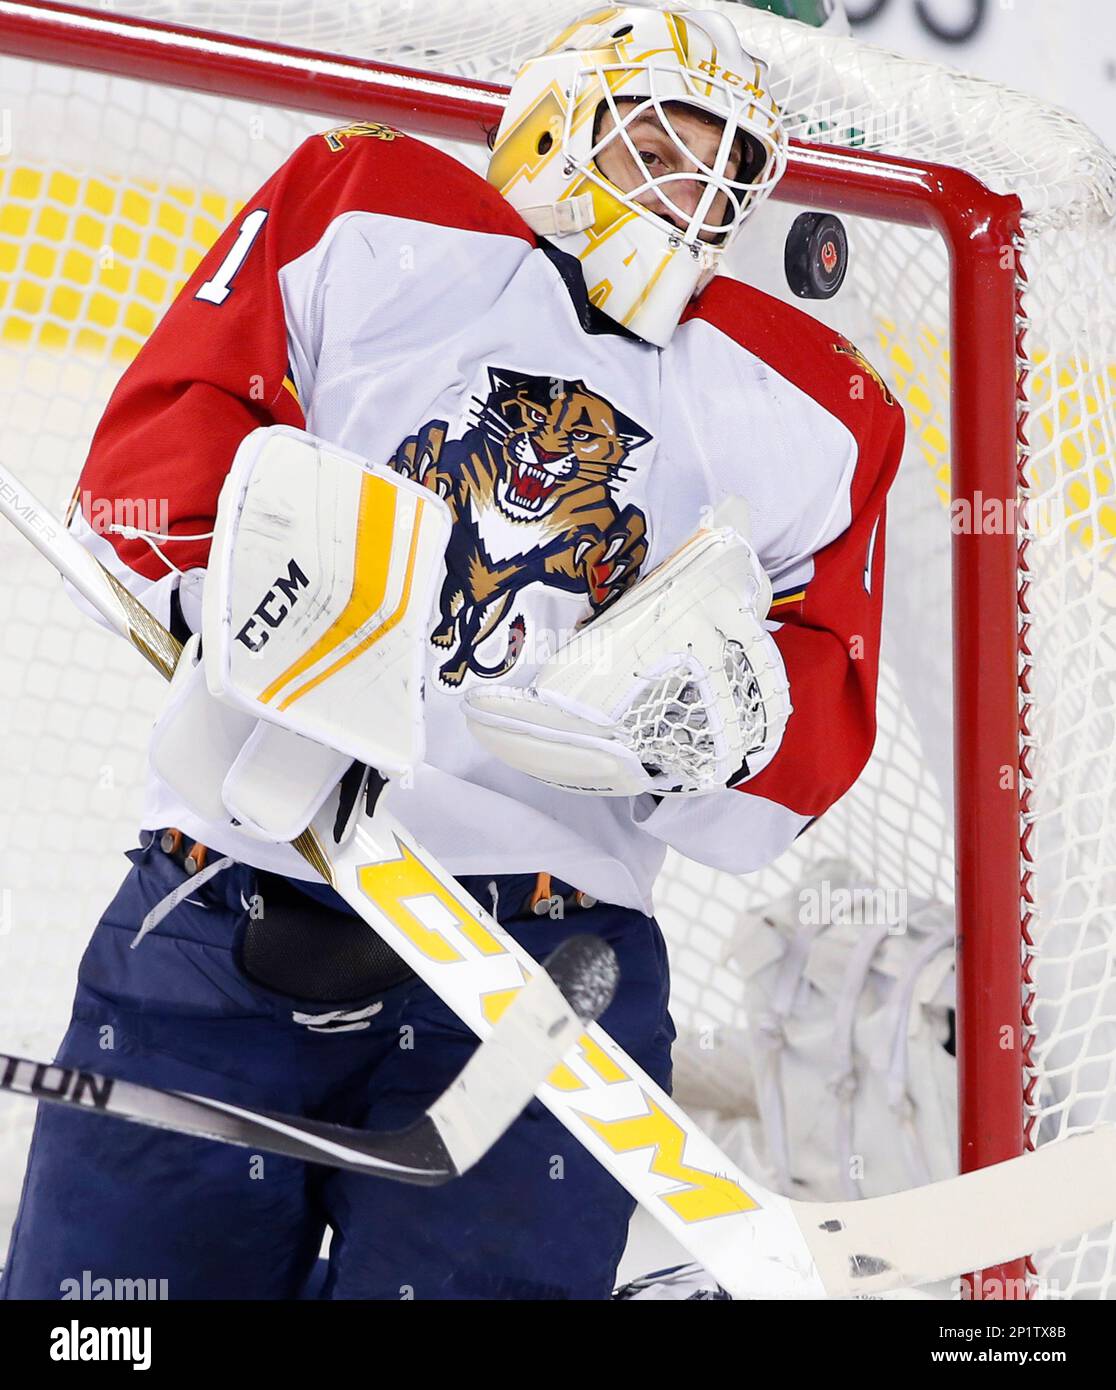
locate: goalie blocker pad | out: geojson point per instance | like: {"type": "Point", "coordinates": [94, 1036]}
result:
{"type": "Point", "coordinates": [318, 595]}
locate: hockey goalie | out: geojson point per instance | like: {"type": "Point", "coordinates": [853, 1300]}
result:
{"type": "Point", "coordinates": [624, 519]}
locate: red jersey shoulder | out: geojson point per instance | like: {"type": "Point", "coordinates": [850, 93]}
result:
{"type": "Point", "coordinates": [371, 167]}
{"type": "Point", "coordinates": [816, 358]}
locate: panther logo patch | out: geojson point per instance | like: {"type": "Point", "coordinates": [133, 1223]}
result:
{"type": "Point", "coordinates": [531, 486]}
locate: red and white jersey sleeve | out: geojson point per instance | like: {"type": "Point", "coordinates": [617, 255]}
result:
{"type": "Point", "coordinates": [834, 439]}
{"type": "Point", "coordinates": [238, 347]}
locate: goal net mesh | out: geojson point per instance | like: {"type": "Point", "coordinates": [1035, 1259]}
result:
{"type": "Point", "coordinates": [110, 192]}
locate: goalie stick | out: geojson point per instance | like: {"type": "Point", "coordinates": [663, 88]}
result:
{"type": "Point", "coordinates": [755, 1242]}
{"type": "Point", "coordinates": [535, 1032]}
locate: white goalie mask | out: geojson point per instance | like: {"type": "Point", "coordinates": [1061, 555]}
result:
{"type": "Point", "coordinates": [615, 79]}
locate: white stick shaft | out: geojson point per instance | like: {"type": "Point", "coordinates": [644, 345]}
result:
{"type": "Point", "coordinates": [116, 605]}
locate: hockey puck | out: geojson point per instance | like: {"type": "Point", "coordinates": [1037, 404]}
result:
{"type": "Point", "coordinates": [816, 256]}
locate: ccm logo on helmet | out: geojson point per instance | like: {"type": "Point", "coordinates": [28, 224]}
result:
{"type": "Point", "coordinates": [271, 609]}
{"type": "Point", "coordinates": [731, 79]}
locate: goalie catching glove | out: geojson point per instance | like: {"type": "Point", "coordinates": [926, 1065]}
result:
{"type": "Point", "coordinates": [677, 688]}
{"type": "Point", "coordinates": [317, 600]}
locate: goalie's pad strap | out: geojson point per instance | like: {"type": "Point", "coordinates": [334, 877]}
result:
{"type": "Point", "coordinates": [280, 781]}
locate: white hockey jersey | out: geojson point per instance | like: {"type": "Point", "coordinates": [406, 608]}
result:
{"type": "Point", "coordinates": [382, 296]}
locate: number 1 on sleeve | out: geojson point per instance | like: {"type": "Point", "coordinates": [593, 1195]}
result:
{"type": "Point", "coordinates": [218, 289]}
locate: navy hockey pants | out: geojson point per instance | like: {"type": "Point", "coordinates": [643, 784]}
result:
{"type": "Point", "coordinates": [537, 1218]}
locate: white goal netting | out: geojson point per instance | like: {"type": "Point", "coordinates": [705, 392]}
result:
{"type": "Point", "coordinates": [111, 190]}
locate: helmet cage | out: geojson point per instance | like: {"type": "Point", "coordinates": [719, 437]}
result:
{"type": "Point", "coordinates": [735, 110]}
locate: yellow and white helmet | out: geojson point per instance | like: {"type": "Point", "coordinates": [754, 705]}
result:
{"type": "Point", "coordinates": [643, 256]}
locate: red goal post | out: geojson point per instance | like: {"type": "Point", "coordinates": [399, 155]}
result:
{"type": "Point", "coordinates": [983, 233]}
